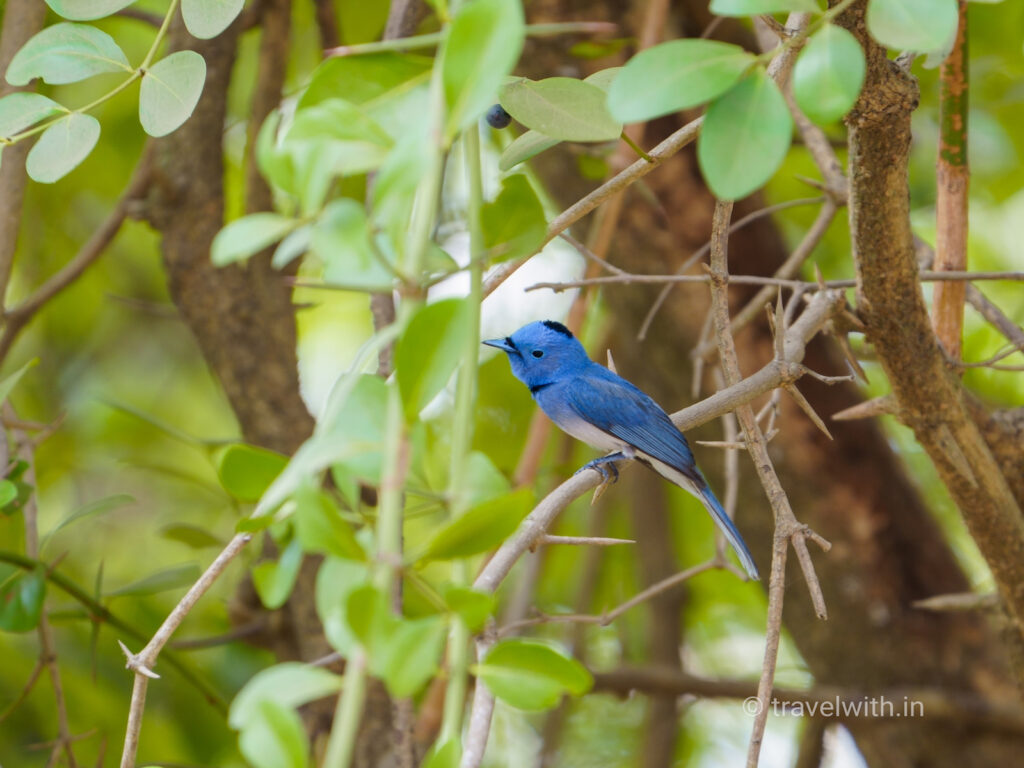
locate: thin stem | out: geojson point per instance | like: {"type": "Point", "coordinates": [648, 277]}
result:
{"type": "Point", "coordinates": [436, 38]}
{"type": "Point", "coordinates": [347, 714]}
{"type": "Point", "coordinates": [462, 434]}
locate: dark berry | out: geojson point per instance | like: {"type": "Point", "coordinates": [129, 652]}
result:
{"type": "Point", "coordinates": [497, 117]}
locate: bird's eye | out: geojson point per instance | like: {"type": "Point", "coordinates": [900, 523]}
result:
{"type": "Point", "coordinates": [538, 353]}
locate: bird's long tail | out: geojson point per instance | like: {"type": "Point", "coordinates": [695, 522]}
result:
{"type": "Point", "coordinates": [727, 527]}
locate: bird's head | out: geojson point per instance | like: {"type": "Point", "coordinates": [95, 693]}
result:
{"type": "Point", "coordinates": [542, 352]}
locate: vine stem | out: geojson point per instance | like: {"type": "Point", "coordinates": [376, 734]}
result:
{"type": "Point", "coordinates": [134, 75]}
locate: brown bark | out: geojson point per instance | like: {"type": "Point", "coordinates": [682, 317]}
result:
{"type": "Point", "coordinates": [22, 19]}
{"type": "Point", "coordinates": [887, 550]}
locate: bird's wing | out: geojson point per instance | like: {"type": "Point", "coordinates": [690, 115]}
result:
{"type": "Point", "coordinates": [615, 406]}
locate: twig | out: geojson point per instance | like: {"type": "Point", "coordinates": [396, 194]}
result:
{"type": "Point", "coordinates": [868, 409]}
{"type": "Point", "coordinates": [631, 278]}
{"type": "Point", "coordinates": [579, 209]}
{"type": "Point", "coordinates": [990, 362]}
{"type": "Point", "coordinates": [584, 541]}
{"type": "Point", "coordinates": [143, 662]}
{"type": "Point", "coordinates": [787, 529]}
{"type": "Point", "coordinates": [952, 178]}
{"type": "Point", "coordinates": [844, 703]}
{"type": "Point", "coordinates": [589, 254]}
{"type": "Point", "coordinates": [16, 318]}
{"type": "Point", "coordinates": [26, 689]}
{"type": "Point", "coordinates": [240, 633]}
{"type": "Point", "coordinates": [47, 649]}
{"type": "Point", "coordinates": [786, 270]}
{"type": "Point", "coordinates": [700, 252]}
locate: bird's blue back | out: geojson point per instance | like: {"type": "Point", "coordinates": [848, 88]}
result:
{"type": "Point", "coordinates": [600, 407]}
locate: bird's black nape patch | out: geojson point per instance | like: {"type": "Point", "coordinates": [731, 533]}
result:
{"type": "Point", "coordinates": [558, 327]}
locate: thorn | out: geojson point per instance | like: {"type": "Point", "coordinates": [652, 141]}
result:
{"type": "Point", "coordinates": [951, 449]}
{"type": "Point", "coordinates": [611, 363]}
{"type": "Point", "coordinates": [807, 409]}
{"type": "Point", "coordinates": [135, 664]}
{"type": "Point", "coordinates": [878, 406]}
{"type": "Point", "coordinates": [958, 601]}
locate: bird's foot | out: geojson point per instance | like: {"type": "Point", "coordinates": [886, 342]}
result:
{"type": "Point", "coordinates": [606, 468]}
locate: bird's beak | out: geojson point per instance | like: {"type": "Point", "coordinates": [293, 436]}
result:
{"type": "Point", "coordinates": [501, 344]}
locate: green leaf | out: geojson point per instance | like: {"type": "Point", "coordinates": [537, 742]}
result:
{"type": "Point", "coordinates": [528, 145]}
{"type": "Point", "coordinates": [8, 492]}
{"type": "Point", "coordinates": [87, 10]}
{"type": "Point", "coordinates": [404, 653]}
{"type": "Point", "coordinates": [828, 74]}
{"type": "Point", "coordinates": [913, 25]}
{"type": "Point", "coordinates": [294, 245]}
{"type": "Point", "coordinates": [94, 508]}
{"type": "Point", "coordinates": [161, 581]}
{"type": "Point", "coordinates": [359, 79]}
{"type": "Point", "coordinates": [208, 18]}
{"type": "Point", "coordinates": [603, 78]}
{"type": "Point", "coordinates": [22, 110]}
{"type": "Point", "coordinates": [21, 601]}
{"type": "Point", "coordinates": [484, 480]}
{"type": "Point", "coordinates": [351, 426]}
{"type": "Point", "coordinates": [480, 528]}
{"type": "Point", "coordinates": [248, 235]}
{"type": "Point", "coordinates": [62, 147]}
{"type": "Point", "coordinates": [531, 675]}
{"type": "Point", "coordinates": [428, 352]}
{"type": "Point", "coordinates": [170, 91]}
{"type": "Point", "coordinates": [274, 580]}
{"type": "Point", "coordinates": [474, 608]}
{"type": "Point", "coordinates": [562, 108]}
{"type": "Point", "coordinates": [336, 580]}
{"type": "Point", "coordinates": [446, 755]}
{"type": "Point", "coordinates": [349, 140]}
{"type": "Point", "coordinates": [673, 76]}
{"type": "Point", "coordinates": [191, 535]}
{"type": "Point", "coordinates": [320, 526]}
{"type": "Point", "coordinates": [755, 7]}
{"type": "Point", "coordinates": [275, 738]}
{"type": "Point", "coordinates": [514, 225]}
{"type": "Point", "coordinates": [341, 239]}
{"type": "Point", "coordinates": [290, 684]}
{"type": "Point", "coordinates": [66, 53]}
{"type": "Point", "coordinates": [8, 383]}
{"type": "Point", "coordinates": [246, 471]}
{"type": "Point", "coordinates": [483, 44]}
{"type": "Point", "coordinates": [745, 137]}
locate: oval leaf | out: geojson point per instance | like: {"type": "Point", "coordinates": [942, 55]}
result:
{"type": "Point", "coordinates": [161, 581]}
{"type": "Point", "coordinates": [480, 528]}
{"type": "Point", "coordinates": [531, 675]}
{"type": "Point", "coordinates": [274, 738]}
{"type": "Point", "coordinates": [208, 18]}
{"type": "Point", "coordinates": [913, 25]}
{"type": "Point", "coordinates": [428, 352]}
{"type": "Point", "coordinates": [745, 137]}
{"type": "Point", "coordinates": [290, 684]}
{"type": "Point", "coordinates": [62, 147]}
{"type": "Point", "coordinates": [246, 471]}
{"type": "Point", "coordinates": [562, 108]}
{"type": "Point", "coordinates": [483, 44]}
{"type": "Point", "coordinates": [755, 7]}
{"type": "Point", "coordinates": [513, 224]}
{"type": "Point", "coordinates": [274, 580]}
{"type": "Point", "coordinates": [528, 145]}
{"type": "Point", "coordinates": [673, 76]}
{"type": "Point", "coordinates": [21, 601]}
{"type": "Point", "coordinates": [66, 53]}
{"type": "Point", "coordinates": [170, 91]}
{"type": "Point", "coordinates": [87, 10]}
{"type": "Point", "coordinates": [8, 492]}
{"type": "Point", "coordinates": [192, 536]}
{"type": "Point", "coordinates": [828, 74]}
{"type": "Point", "coordinates": [248, 235]}
{"type": "Point", "coordinates": [22, 110]}
{"type": "Point", "coordinates": [341, 239]}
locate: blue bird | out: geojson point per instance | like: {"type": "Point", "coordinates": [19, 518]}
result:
{"type": "Point", "coordinates": [602, 409]}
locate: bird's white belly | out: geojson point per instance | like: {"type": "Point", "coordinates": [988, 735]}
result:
{"type": "Point", "coordinates": [591, 435]}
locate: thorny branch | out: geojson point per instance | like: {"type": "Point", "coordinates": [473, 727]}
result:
{"type": "Point", "coordinates": [143, 662]}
